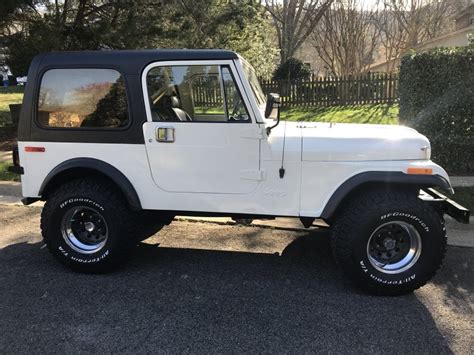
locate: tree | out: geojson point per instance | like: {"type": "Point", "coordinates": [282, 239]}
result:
{"type": "Point", "coordinates": [347, 37]}
{"type": "Point", "coordinates": [405, 24]}
{"type": "Point", "coordinates": [239, 25]}
{"type": "Point", "coordinates": [294, 21]}
{"type": "Point", "coordinates": [44, 25]}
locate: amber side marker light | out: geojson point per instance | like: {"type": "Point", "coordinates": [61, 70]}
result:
{"type": "Point", "coordinates": [420, 171]}
{"type": "Point", "coordinates": [35, 149]}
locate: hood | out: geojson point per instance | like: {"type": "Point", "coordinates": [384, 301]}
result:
{"type": "Point", "coordinates": [359, 142]}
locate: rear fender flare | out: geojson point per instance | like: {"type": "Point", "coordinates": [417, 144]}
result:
{"type": "Point", "coordinates": [101, 167]}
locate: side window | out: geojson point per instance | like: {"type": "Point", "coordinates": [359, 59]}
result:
{"type": "Point", "coordinates": [207, 95]}
{"type": "Point", "coordinates": [201, 93]}
{"type": "Point", "coordinates": [82, 98]}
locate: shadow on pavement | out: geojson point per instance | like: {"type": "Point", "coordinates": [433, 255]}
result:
{"type": "Point", "coordinates": [183, 300]}
{"type": "Point", "coordinates": [456, 277]}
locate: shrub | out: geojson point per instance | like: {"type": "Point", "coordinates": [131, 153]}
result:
{"type": "Point", "coordinates": [292, 70]}
{"type": "Point", "coordinates": [437, 98]}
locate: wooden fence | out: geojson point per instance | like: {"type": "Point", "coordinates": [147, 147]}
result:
{"type": "Point", "coordinates": [207, 92]}
{"type": "Point", "coordinates": [336, 91]}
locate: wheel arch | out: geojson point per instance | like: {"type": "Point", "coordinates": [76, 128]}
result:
{"type": "Point", "coordinates": [379, 179]}
{"type": "Point", "coordinates": [87, 167]}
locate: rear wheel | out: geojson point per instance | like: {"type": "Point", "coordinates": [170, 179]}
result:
{"type": "Point", "coordinates": [86, 225]}
{"type": "Point", "coordinates": [389, 243]}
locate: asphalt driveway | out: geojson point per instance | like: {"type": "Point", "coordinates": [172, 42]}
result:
{"type": "Point", "coordinates": [202, 287]}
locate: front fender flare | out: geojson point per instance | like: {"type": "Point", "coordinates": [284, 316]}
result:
{"type": "Point", "coordinates": [383, 177]}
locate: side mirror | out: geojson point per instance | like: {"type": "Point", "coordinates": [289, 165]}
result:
{"type": "Point", "coordinates": [273, 104]}
{"type": "Point", "coordinates": [272, 110]}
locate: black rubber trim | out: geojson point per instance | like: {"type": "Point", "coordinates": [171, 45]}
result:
{"type": "Point", "coordinates": [108, 170]}
{"type": "Point", "coordinates": [29, 200]}
{"type": "Point", "coordinates": [386, 177]}
{"type": "Point", "coordinates": [16, 170]}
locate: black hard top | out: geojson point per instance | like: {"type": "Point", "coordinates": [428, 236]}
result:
{"type": "Point", "coordinates": [129, 61]}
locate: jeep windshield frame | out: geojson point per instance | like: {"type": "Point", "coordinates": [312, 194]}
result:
{"type": "Point", "coordinates": [252, 79]}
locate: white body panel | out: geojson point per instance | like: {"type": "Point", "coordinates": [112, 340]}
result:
{"type": "Point", "coordinates": [234, 168]}
{"type": "Point", "coordinates": [205, 157]}
{"type": "Point", "coordinates": [304, 190]}
{"type": "Point", "coordinates": [355, 142]}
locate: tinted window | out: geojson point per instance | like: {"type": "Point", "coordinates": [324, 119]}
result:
{"type": "Point", "coordinates": [194, 93]}
{"type": "Point", "coordinates": [77, 98]}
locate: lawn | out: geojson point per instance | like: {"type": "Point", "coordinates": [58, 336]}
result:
{"type": "Point", "coordinates": [6, 175]}
{"type": "Point", "coordinates": [377, 114]}
{"type": "Point", "coordinates": [11, 95]}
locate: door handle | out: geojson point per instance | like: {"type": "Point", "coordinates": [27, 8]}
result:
{"type": "Point", "coordinates": [165, 134]}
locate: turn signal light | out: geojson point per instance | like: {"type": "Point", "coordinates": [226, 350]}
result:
{"type": "Point", "coordinates": [420, 171]}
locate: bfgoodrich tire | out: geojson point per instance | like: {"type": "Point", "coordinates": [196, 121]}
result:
{"type": "Point", "coordinates": [389, 243]}
{"type": "Point", "coordinates": [87, 226]}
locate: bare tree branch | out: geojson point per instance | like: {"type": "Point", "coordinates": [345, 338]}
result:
{"type": "Point", "coordinates": [346, 38]}
{"type": "Point", "coordinates": [295, 20]}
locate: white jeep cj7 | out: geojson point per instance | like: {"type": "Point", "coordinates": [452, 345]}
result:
{"type": "Point", "coordinates": [118, 143]}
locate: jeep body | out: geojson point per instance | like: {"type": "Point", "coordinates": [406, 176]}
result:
{"type": "Point", "coordinates": [188, 132]}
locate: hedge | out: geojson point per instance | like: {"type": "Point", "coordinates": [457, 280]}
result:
{"type": "Point", "coordinates": [437, 98]}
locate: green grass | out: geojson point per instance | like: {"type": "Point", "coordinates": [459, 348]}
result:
{"type": "Point", "coordinates": [465, 197]}
{"type": "Point", "coordinates": [6, 175]}
{"type": "Point", "coordinates": [10, 95]}
{"type": "Point", "coordinates": [376, 114]}
{"type": "Point", "coordinates": [201, 110]}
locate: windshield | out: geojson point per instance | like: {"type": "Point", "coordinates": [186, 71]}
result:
{"type": "Point", "coordinates": [254, 84]}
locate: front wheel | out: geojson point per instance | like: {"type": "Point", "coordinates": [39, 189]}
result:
{"type": "Point", "coordinates": [389, 243]}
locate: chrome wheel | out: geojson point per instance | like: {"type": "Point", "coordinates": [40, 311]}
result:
{"type": "Point", "coordinates": [84, 229]}
{"type": "Point", "coordinates": [394, 247]}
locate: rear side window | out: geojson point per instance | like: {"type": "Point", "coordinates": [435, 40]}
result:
{"type": "Point", "coordinates": [82, 98]}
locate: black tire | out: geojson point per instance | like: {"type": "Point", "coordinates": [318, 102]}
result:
{"type": "Point", "coordinates": [98, 205]}
{"type": "Point", "coordinates": [370, 237]}
{"type": "Point", "coordinates": [149, 223]}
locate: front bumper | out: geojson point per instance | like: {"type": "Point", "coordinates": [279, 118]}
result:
{"type": "Point", "coordinates": [446, 205]}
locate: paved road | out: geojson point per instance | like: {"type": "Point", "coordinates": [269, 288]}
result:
{"type": "Point", "coordinates": [201, 287]}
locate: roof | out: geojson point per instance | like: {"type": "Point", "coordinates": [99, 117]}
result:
{"type": "Point", "coordinates": [129, 61]}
